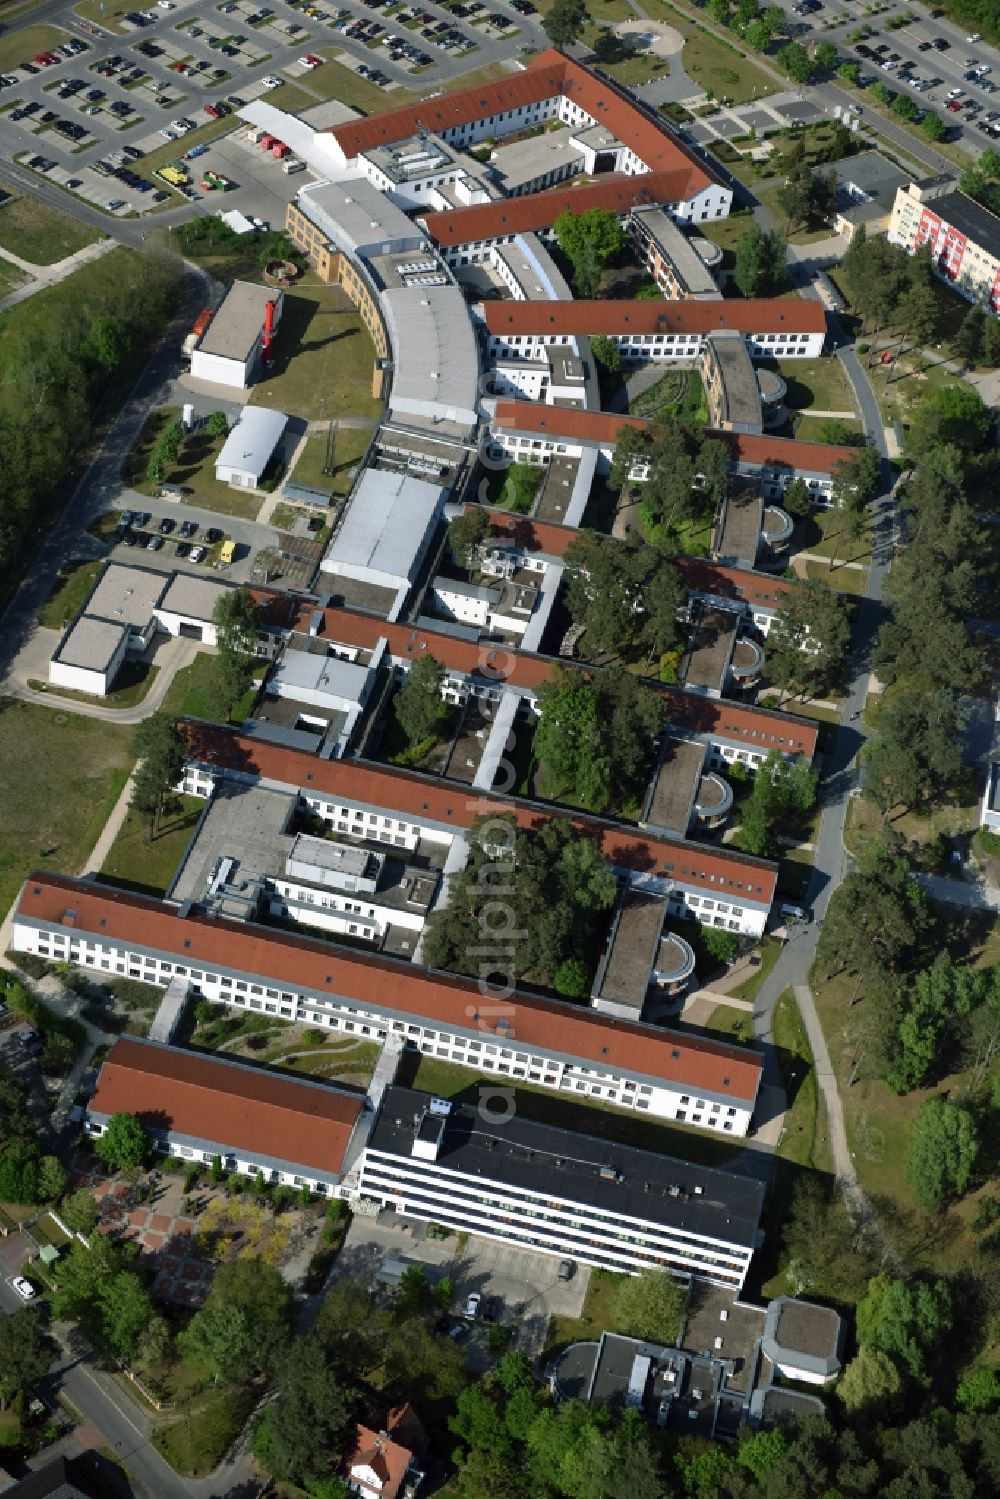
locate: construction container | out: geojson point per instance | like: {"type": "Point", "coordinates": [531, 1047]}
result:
{"type": "Point", "coordinates": [279, 151]}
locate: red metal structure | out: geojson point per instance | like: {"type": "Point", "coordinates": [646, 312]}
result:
{"type": "Point", "coordinates": [270, 308]}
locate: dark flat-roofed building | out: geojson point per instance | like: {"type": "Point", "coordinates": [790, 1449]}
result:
{"type": "Point", "coordinates": [803, 1340]}
{"type": "Point", "coordinates": [557, 1192]}
{"type": "Point", "coordinates": [637, 958]}
{"type": "Point", "coordinates": [737, 535]}
{"type": "Point", "coordinates": [706, 662]}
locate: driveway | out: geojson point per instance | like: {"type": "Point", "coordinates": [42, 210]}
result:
{"type": "Point", "coordinates": [527, 1285]}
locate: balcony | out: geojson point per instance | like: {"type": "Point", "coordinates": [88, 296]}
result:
{"type": "Point", "coordinates": [747, 663]}
{"type": "Point", "coordinates": [776, 529]}
{"type": "Point", "coordinates": [713, 801]}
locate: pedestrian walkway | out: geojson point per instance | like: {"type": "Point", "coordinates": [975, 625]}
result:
{"type": "Point", "coordinates": [116, 821]}
{"type": "Point", "coordinates": [51, 275]}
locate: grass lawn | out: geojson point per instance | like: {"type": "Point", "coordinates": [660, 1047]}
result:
{"type": "Point", "coordinates": [148, 864]}
{"type": "Point", "coordinates": [200, 1421]}
{"type": "Point", "coordinates": [824, 535]}
{"type": "Point", "coordinates": [324, 357]}
{"type": "Point", "coordinates": [728, 1024]}
{"type": "Point", "coordinates": [67, 598]}
{"type": "Point", "coordinates": [10, 278]}
{"type": "Point", "coordinates": [132, 684]}
{"type": "Point", "coordinates": [954, 813]}
{"type": "Point", "coordinates": [844, 579]}
{"type": "Point", "coordinates": [800, 235]}
{"type": "Point", "coordinates": [61, 774]}
{"type": "Point", "coordinates": [708, 61]}
{"type": "Point", "coordinates": [818, 429]}
{"type": "Point", "coordinates": [191, 695]}
{"type": "Point", "coordinates": [351, 445]}
{"type": "Point", "coordinates": [770, 951]}
{"type": "Point", "coordinates": [816, 382]}
{"type": "Point", "coordinates": [596, 1317]}
{"type": "Point", "coordinates": [21, 46]}
{"type": "Point", "coordinates": [547, 1106]}
{"type": "Point", "coordinates": [107, 14]}
{"type": "Point", "coordinates": [194, 470]}
{"type": "Point", "coordinates": [727, 233]}
{"type": "Point", "coordinates": [355, 1066]}
{"type": "Point", "coordinates": [879, 1124]}
{"type": "Point", "coordinates": [898, 397]}
{"type": "Point", "coordinates": [37, 233]}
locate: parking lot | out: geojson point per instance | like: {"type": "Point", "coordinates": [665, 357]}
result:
{"type": "Point", "coordinates": [112, 104]}
{"type": "Point", "coordinates": [526, 1286]}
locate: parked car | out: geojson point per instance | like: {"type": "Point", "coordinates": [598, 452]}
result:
{"type": "Point", "coordinates": [166, 526]}
{"type": "Point", "coordinates": [154, 543]}
{"type": "Point", "coordinates": [23, 1287]}
{"type": "Point", "coordinates": [198, 554]}
{"type": "Point", "coordinates": [472, 1305]}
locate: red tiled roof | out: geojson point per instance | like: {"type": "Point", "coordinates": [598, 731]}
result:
{"type": "Point", "coordinates": [245, 1108]}
{"type": "Point", "coordinates": [387, 1459]}
{"type": "Point", "coordinates": [547, 76]}
{"type": "Point", "coordinates": [403, 988]}
{"type": "Point", "coordinates": [742, 315]}
{"type": "Point", "coordinates": [526, 670]}
{"type": "Point", "coordinates": [427, 797]}
{"type": "Point", "coordinates": [521, 215]}
{"type": "Point", "coordinates": [578, 425]}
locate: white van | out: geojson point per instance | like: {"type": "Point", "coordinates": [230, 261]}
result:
{"type": "Point", "coordinates": [292, 164]}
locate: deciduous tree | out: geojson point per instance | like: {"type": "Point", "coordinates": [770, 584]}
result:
{"type": "Point", "coordinates": [565, 21]}
{"type": "Point", "coordinates": [808, 640]}
{"type": "Point", "coordinates": [944, 1147]}
{"type": "Point", "coordinates": [27, 1352]}
{"type": "Point", "coordinates": [418, 705]}
{"type": "Point", "coordinates": [126, 1144]}
{"type": "Point", "coordinates": [589, 240]}
{"type": "Point", "coordinates": [466, 534]}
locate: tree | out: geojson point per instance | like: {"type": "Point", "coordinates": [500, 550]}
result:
{"type": "Point", "coordinates": [918, 754]}
{"type": "Point", "coordinates": [795, 199]}
{"type": "Point", "coordinates": [625, 593]}
{"type": "Point", "coordinates": [951, 415]}
{"type": "Point", "coordinates": [127, 1309]}
{"type": "Point", "coordinates": [221, 1337]}
{"type": "Point", "coordinates": [850, 71]}
{"type": "Point", "coordinates": [759, 269]}
{"type": "Point", "coordinates": [418, 705]}
{"type": "Point", "coordinates": [161, 752]}
{"type": "Point", "coordinates": [236, 617]}
{"type": "Point", "coordinates": [978, 1391]}
{"type": "Point", "coordinates": [596, 737]}
{"type": "Point", "coordinates": [904, 107]}
{"type": "Point", "coordinates": [217, 424]}
{"type": "Point", "coordinates": [825, 55]}
{"type": "Point", "coordinates": [591, 239]}
{"type": "Point", "coordinates": [565, 21]}
{"type": "Point", "coordinates": [933, 126]}
{"type": "Point", "coordinates": [631, 447]}
{"type": "Point", "coordinates": [126, 1144]}
{"type": "Point", "coordinates": [605, 352]}
{"type": "Point", "coordinates": [874, 916]}
{"type": "Point", "coordinates": [871, 1382]}
{"type": "Point", "coordinates": [905, 1320]}
{"type": "Point", "coordinates": [796, 62]}
{"type": "Point", "coordinates": [918, 315]}
{"type": "Point", "coordinates": [991, 342]}
{"type": "Point", "coordinates": [80, 1211]}
{"type": "Point", "coordinates": [826, 1256]}
{"type": "Point", "coordinates": [784, 791]}
{"type": "Point", "coordinates": [52, 1178]}
{"type": "Point", "coordinates": [650, 1306]}
{"type": "Point", "coordinates": [27, 1352]}
{"type": "Point", "coordinates": [808, 640]}
{"type": "Point", "coordinates": [300, 1436]}
{"type": "Point", "coordinates": [943, 1151]}
{"type": "Point", "coordinates": [19, 1172]}
{"type": "Point", "coordinates": [970, 338]}
{"type": "Point", "coordinates": [796, 499]}
{"type": "Point", "coordinates": [466, 534]}
{"type": "Point", "coordinates": [855, 480]}
{"type": "Point", "coordinates": [100, 1290]}
{"type": "Point", "coordinates": [108, 342]}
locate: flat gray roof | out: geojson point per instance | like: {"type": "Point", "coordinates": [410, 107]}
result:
{"type": "Point", "coordinates": [127, 594]}
{"type": "Point", "coordinates": [236, 326]}
{"type": "Point", "coordinates": [251, 442]}
{"type": "Point", "coordinates": [739, 381]}
{"type": "Point", "coordinates": [535, 156]}
{"type": "Point", "coordinates": [435, 373]}
{"type": "Point", "coordinates": [741, 521]}
{"type": "Point", "coordinates": [304, 670]}
{"type": "Point", "coordinates": [710, 649]}
{"type": "Point", "coordinates": [195, 597]}
{"type": "Point", "coordinates": [385, 525]}
{"type": "Point", "coordinates": [357, 216]}
{"type": "Point", "coordinates": [90, 643]}
{"type": "Point", "coordinates": [675, 786]}
{"type": "Point", "coordinates": [692, 273]}
{"type": "Point", "coordinates": [634, 944]}
{"type": "Point", "coordinates": [244, 823]}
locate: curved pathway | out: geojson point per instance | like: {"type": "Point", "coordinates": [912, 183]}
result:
{"type": "Point", "coordinates": [839, 783]}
